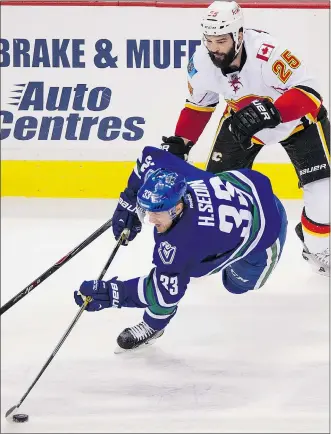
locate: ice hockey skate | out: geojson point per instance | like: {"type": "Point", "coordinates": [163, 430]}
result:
{"type": "Point", "coordinates": [320, 262]}
{"type": "Point", "coordinates": [136, 337]}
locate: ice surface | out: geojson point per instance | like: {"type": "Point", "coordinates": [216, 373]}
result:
{"type": "Point", "coordinates": [257, 362]}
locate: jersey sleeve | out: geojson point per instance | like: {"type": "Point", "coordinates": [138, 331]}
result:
{"type": "Point", "coordinates": [159, 292]}
{"type": "Point", "coordinates": [200, 102]}
{"type": "Point", "coordinates": [199, 97]}
{"type": "Point", "coordinates": [152, 159]}
{"type": "Point", "coordinates": [286, 73]}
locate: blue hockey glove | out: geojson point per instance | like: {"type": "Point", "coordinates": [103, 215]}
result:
{"type": "Point", "coordinates": [104, 294]}
{"type": "Point", "coordinates": [125, 216]}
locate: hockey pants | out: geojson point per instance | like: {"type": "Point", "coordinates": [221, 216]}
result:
{"type": "Point", "coordinates": [252, 271]}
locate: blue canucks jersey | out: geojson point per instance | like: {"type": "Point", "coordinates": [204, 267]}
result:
{"type": "Point", "coordinates": [226, 217]}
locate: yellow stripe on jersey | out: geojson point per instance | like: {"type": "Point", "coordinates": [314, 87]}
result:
{"type": "Point", "coordinates": [296, 130]}
{"type": "Point", "coordinates": [311, 118]}
{"type": "Point", "coordinates": [244, 101]}
{"type": "Point", "coordinates": [323, 140]}
{"type": "Point", "coordinates": [311, 96]}
{"type": "Point", "coordinates": [257, 141]}
{"type": "Point", "coordinates": [200, 109]}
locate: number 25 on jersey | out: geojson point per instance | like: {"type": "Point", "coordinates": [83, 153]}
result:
{"type": "Point", "coordinates": [280, 67]}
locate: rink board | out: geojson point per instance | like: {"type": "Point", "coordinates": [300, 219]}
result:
{"type": "Point", "coordinates": [104, 179]}
{"type": "Point", "coordinates": [78, 106]}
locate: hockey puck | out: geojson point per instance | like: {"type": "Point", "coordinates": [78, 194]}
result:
{"type": "Point", "coordinates": [20, 418]}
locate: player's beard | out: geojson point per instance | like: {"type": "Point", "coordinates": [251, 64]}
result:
{"type": "Point", "coordinates": [225, 61]}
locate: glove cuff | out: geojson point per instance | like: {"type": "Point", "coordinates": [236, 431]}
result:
{"type": "Point", "coordinates": [178, 140]}
{"type": "Point", "coordinates": [128, 200]}
{"type": "Point", "coordinates": [117, 293]}
{"type": "Point", "coordinates": [130, 193]}
{"type": "Point", "coordinates": [274, 112]}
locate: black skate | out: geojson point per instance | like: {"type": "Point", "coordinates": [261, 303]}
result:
{"type": "Point", "coordinates": [320, 262]}
{"type": "Point", "coordinates": [137, 336]}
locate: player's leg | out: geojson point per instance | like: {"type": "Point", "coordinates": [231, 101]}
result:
{"type": "Point", "coordinates": [226, 153]}
{"type": "Point", "coordinates": [254, 270]}
{"type": "Point", "coordinates": [309, 151]}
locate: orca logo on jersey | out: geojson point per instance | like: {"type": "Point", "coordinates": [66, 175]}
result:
{"type": "Point", "coordinates": [167, 252]}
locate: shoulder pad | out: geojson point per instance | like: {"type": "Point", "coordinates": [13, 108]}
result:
{"type": "Point", "coordinates": [260, 44]}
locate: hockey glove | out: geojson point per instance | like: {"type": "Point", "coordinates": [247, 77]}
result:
{"type": "Point", "coordinates": [253, 118]}
{"type": "Point", "coordinates": [104, 294]}
{"type": "Point", "coordinates": [176, 145]}
{"type": "Point", "coordinates": [125, 216]}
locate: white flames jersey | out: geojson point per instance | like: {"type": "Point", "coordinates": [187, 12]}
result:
{"type": "Point", "coordinates": [269, 71]}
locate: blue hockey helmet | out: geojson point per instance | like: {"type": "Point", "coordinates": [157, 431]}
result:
{"type": "Point", "coordinates": [161, 191]}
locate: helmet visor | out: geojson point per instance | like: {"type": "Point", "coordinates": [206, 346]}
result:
{"type": "Point", "coordinates": [160, 220]}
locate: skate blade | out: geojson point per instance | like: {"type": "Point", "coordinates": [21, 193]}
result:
{"type": "Point", "coordinates": [317, 268]}
{"type": "Point", "coordinates": [322, 271]}
{"type": "Point", "coordinates": [119, 350]}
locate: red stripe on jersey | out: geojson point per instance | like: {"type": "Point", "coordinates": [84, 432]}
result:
{"type": "Point", "coordinates": [313, 227]}
{"type": "Point", "coordinates": [191, 123]}
{"type": "Point", "coordinates": [244, 101]}
{"type": "Point", "coordinates": [294, 104]}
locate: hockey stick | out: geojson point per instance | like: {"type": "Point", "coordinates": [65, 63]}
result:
{"type": "Point", "coordinates": [55, 267]}
{"type": "Point", "coordinates": [10, 412]}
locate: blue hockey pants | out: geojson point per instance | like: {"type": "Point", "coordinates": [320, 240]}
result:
{"type": "Point", "coordinates": [252, 271]}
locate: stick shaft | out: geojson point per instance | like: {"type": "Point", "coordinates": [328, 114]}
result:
{"type": "Point", "coordinates": [55, 267]}
{"type": "Point", "coordinates": [123, 236]}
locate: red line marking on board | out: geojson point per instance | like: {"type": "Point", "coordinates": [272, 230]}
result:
{"type": "Point", "coordinates": [166, 4]}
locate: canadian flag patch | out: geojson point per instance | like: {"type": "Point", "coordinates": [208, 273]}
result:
{"type": "Point", "coordinates": [265, 51]}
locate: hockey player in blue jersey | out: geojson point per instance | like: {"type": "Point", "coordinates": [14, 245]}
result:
{"type": "Point", "coordinates": [229, 223]}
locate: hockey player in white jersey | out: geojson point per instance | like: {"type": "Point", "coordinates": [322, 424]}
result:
{"type": "Point", "coordinates": [271, 97]}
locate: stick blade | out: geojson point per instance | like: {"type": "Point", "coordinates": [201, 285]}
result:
{"type": "Point", "coordinates": [10, 413]}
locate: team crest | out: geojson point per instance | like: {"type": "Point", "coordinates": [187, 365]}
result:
{"type": "Point", "coordinates": [235, 82]}
{"type": "Point", "coordinates": [167, 252]}
{"type": "Point", "coordinates": [265, 52]}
